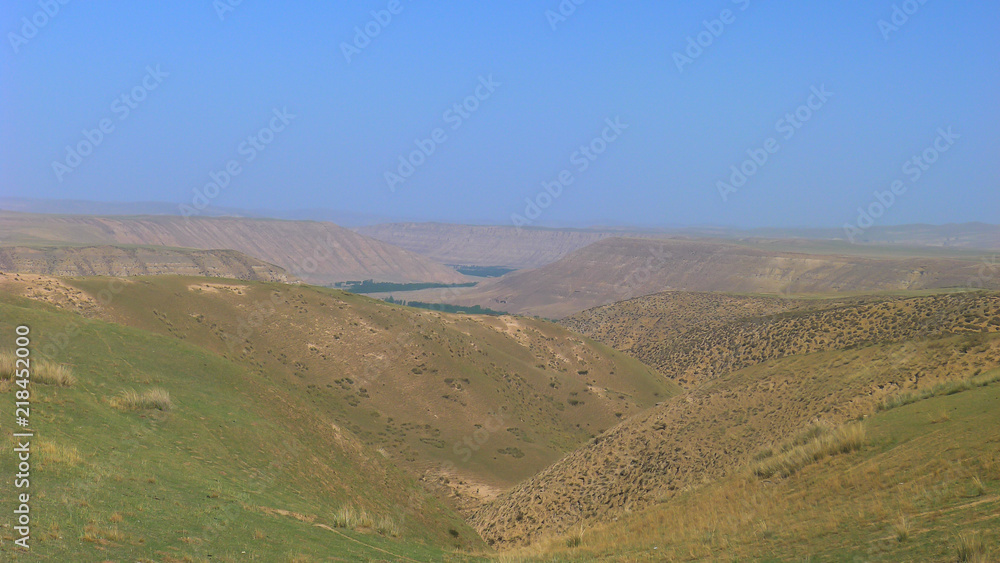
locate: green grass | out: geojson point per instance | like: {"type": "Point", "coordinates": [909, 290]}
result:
{"type": "Point", "coordinates": [238, 469]}
{"type": "Point", "coordinates": [946, 388]}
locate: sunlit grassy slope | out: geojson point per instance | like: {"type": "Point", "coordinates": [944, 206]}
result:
{"type": "Point", "coordinates": [240, 468]}
{"type": "Point", "coordinates": [294, 408]}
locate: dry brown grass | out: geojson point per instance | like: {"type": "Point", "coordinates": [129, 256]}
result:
{"type": "Point", "coordinates": [349, 518]}
{"type": "Point", "coordinates": [7, 364]}
{"type": "Point", "coordinates": [818, 442]}
{"type": "Point", "coordinates": [44, 372]}
{"type": "Point", "coordinates": [901, 528]}
{"type": "Point", "coordinates": [50, 373]}
{"type": "Point", "coordinates": [971, 549]}
{"type": "Point", "coordinates": [52, 452]}
{"type": "Point", "coordinates": [132, 400]}
{"type": "Point", "coordinates": [92, 533]}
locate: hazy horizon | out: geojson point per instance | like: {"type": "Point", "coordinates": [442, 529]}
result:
{"type": "Point", "coordinates": [308, 110]}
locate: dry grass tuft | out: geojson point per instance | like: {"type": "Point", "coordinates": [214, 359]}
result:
{"type": "Point", "coordinates": [901, 528]}
{"type": "Point", "coordinates": [387, 527]}
{"type": "Point", "coordinates": [57, 453]}
{"type": "Point", "coordinates": [971, 548]}
{"type": "Point", "coordinates": [50, 373]}
{"type": "Point", "coordinates": [978, 487]}
{"type": "Point", "coordinates": [131, 400]}
{"type": "Point", "coordinates": [44, 372]}
{"type": "Point", "coordinates": [809, 447]}
{"type": "Point", "coordinates": [7, 365]}
{"type": "Point", "coordinates": [349, 518]}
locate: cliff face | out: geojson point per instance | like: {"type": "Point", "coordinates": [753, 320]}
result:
{"type": "Point", "coordinates": [136, 261]}
{"type": "Point", "coordinates": [317, 252]}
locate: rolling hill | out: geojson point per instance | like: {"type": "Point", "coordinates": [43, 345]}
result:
{"type": "Point", "coordinates": [618, 268]}
{"type": "Point", "coordinates": [695, 337]}
{"type": "Point", "coordinates": [234, 464]}
{"type": "Point", "coordinates": [716, 430]}
{"type": "Point", "coordinates": [923, 486]}
{"type": "Point", "coordinates": [496, 245]}
{"type": "Point", "coordinates": [468, 404]}
{"type": "Point", "coordinates": [319, 253]}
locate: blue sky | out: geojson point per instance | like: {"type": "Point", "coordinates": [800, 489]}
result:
{"type": "Point", "coordinates": [218, 80]}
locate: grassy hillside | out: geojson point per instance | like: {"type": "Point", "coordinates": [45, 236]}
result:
{"type": "Point", "coordinates": [240, 467]}
{"type": "Point", "coordinates": [469, 404]}
{"type": "Point", "coordinates": [708, 432]}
